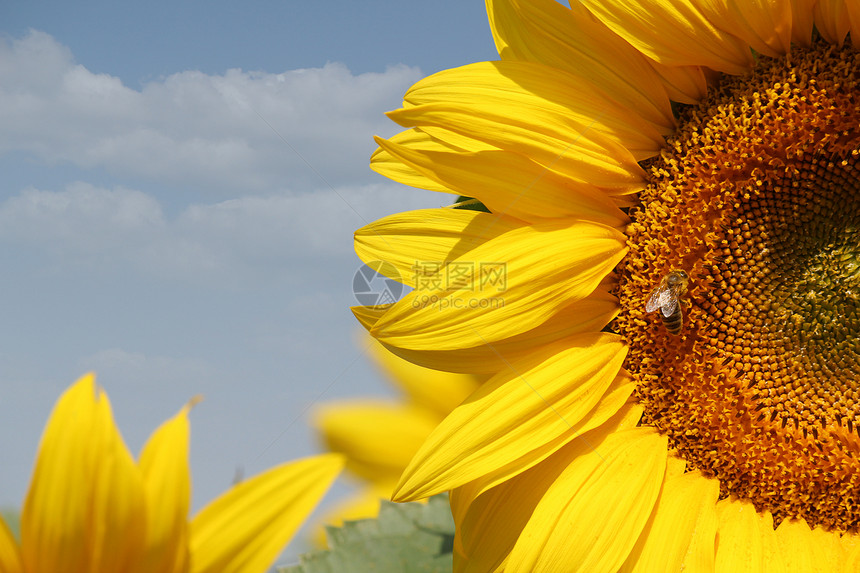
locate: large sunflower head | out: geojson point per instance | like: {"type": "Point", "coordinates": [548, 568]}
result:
{"type": "Point", "coordinates": [673, 196]}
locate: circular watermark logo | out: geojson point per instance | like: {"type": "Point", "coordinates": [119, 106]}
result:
{"type": "Point", "coordinates": [376, 282]}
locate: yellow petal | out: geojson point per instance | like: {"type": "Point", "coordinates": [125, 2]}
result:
{"type": "Point", "coordinates": [167, 478]}
{"type": "Point", "coordinates": [244, 529]}
{"type": "Point", "coordinates": [551, 98]}
{"type": "Point", "coordinates": [56, 508]}
{"type": "Point", "coordinates": [763, 24]}
{"type": "Point", "coordinates": [446, 140]}
{"type": "Point", "coordinates": [681, 532]}
{"type": "Point", "coordinates": [802, 21]}
{"type": "Point", "coordinates": [489, 520]}
{"type": "Point", "coordinates": [579, 152]}
{"type": "Point", "coordinates": [379, 438]}
{"type": "Point", "coordinates": [385, 164]}
{"type": "Point", "coordinates": [684, 84]}
{"type": "Point", "coordinates": [532, 279]}
{"type": "Point", "coordinates": [612, 408]}
{"type": "Point", "coordinates": [511, 184]}
{"type": "Point", "coordinates": [531, 403]}
{"type": "Point", "coordinates": [590, 314]}
{"type": "Point", "coordinates": [10, 554]}
{"type": "Point", "coordinates": [593, 513]}
{"type": "Point", "coordinates": [831, 20]}
{"type": "Point", "coordinates": [370, 315]}
{"type": "Point", "coordinates": [488, 527]}
{"type": "Point", "coordinates": [575, 148]}
{"type": "Point", "coordinates": [85, 508]}
{"type": "Point", "coordinates": [419, 242]}
{"type": "Point", "coordinates": [673, 32]}
{"type": "Point", "coordinates": [804, 549]}
{"type": "Point", "coordinates": [746, 540]}
{"type": "Point", "coordinates": [854, 22]}
{"type": "Point", "coordinates": [675, 467]}
{"type": "Point", "coordinates": [438, 391]}
{"type": "Point", "coordinates": [568, 39]}
{"type": "Point", "coordinates": [851, 549]}
{"type": "Point", "coordinates": [118, 514]}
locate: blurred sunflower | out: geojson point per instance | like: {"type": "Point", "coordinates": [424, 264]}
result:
{"type": "Point", "coordinates": [697, 158]}
{"type": "Point", "coordinates": [379, 437]}
{"type": "Point", "coordinates": [90, 508]}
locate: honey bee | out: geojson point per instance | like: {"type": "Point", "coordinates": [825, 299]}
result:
{"type": "Point", "coordinates": [667, 297]}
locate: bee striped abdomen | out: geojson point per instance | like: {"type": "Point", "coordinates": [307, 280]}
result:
{"type": "Point", "coordinates": [674, 322]}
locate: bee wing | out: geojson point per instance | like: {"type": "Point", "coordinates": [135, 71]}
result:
{"type": "Point", "coordinates": [655, 300]}
{"type": "Point", "coordinates": [669, 305]}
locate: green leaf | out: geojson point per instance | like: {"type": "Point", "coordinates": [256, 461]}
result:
{"type": "Point", "coordinates": [469, 203]}
{"type": "Point", "coordinates": [405, 538]}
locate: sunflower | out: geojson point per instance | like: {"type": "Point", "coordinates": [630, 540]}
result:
{"type": "Point", "coordinates": [90, 508]}
{"type": "Point", "coordinates": [379, 437]}
{"type": "Point", "coordinates": [694, 158]}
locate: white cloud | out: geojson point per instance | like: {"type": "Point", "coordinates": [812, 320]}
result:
{"type": "Point", "coordinates": [232, 240]}
{"type": "Point", "coordinates": [212, 133]}
{"type": "Point", "coordinates": [81, 218]}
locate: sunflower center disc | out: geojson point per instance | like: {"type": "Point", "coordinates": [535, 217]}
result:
{"type": "Point", "coordinates": [757, 198]}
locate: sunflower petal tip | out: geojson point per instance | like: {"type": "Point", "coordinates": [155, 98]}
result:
{"type": "Point", "coordinates": [402, 494]}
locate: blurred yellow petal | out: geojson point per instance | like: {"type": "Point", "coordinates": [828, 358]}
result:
{"type": "Point", "coordinates": [681, 532]}
{"type": "Point", "coordinates": [832, 20]}
{"type": "Point", "coordinates": [362, 505]}
{"type": "Point", "coordinates": [244, 529]}
{"type": "Point", "coordinates": [531, 403]}
{"type": "Point", "coordinates": [802, 21]}
{"type": "Point", "coordinates": [92, 509]}
{"type": "Point", "coordinates": [854, 22]}
{"type": "Point", "coordinates": [55, 512]}
{"type": "Point", "coordinates": [378, 438]}
{"type": "Point", "coordinates": [10, 554]}
{"type": "Point", "coordinates": [118, 499]}
{"type": "Point", "coordinates": [546, 32]}
{"type": "Point", "coordinates": [167, 477]}
{"type": "Point", "coordinates": [605, 495]}
{"type": "Point", "coordinates": [85, 508]}
{"type": "Point", "coordinates": [439, 391]}
{"type": "Point", "coordinates": [511, 184]}
{"type": "Point", "coordinates": [658, 29]}
{"type": "Point", "coordinates": [539, 281]}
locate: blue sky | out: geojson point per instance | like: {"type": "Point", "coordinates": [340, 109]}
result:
{"type": "Point", "coordinates": [155, 228]}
